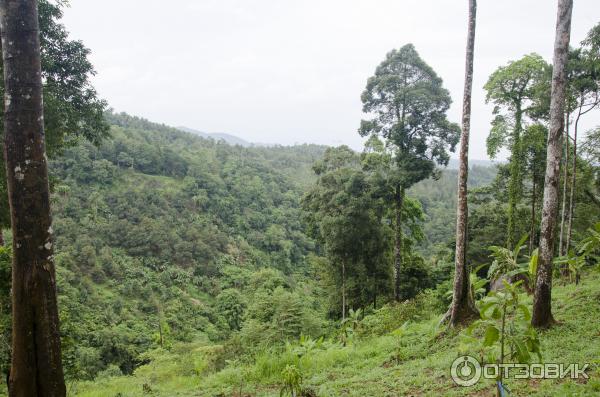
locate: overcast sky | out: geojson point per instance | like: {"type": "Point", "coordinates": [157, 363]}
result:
{"type": "Point", "coordinates": [274, 71]}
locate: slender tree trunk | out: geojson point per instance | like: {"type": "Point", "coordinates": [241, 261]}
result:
{"type": "Point", "coordinates": [36, 369]}
{"type": "Point", "coordinates": [514, 184]}
{"type": "Point", "coordinates": [499, 386]}
{"type": "Point", "coordinates": [463, 309]}
{"type": "Point", "coordinates": [343, 290]}
{"type": "Point", "coordinates": [533, 223]}
{"type": "Point", "coordinates": [542, 301]}
{"type": "Point", "coordinates": [399, 200]}
{"type": "Point", "coordinates": [375, 301]}
{"type": "Point", "coordinates": [160, 334]}
{"type": "Point", "coordinates": [563, 212]}
{"type": "Point", "coordinates": [573, 182]}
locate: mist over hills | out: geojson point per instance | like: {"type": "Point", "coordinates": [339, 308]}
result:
{"type": "Point", "coordinates": [235, 140]}
{"type": "Point", "coordinates": [220, 136]}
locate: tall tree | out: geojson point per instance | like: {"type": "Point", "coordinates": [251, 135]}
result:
{"type": "Point", "coordinates": [347, 219]}
{"type": "Point", "coordinates": [408, 104]}
{"type": "Point", "coordinates": [36, 368]}
{"type": "Point", "coordinates": [535, 136]}
{"type": "Point", "coordinates": [463, 309]}
{"type": "Point", "coordinates": [542, 301]}
{"type": "Point", "coordinates": [72, 109]}
{"type": "Point", "coordinates": [584, 83]}
{"type": "Point", "coordinates": [563, 211]}
{"type": "Point", "coordinates": [518, 90]}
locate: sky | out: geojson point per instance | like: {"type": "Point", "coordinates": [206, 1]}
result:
{"type": "Point", "coordinates": [285, 72]}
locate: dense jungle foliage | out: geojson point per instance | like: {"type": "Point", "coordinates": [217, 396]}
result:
{"type": "Point", "coordinates": [159, 230]}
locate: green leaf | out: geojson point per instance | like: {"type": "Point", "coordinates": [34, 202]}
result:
{"type": "Point", "coordinates": [492, 334]}
{"type": "Point", "coordinates": [533, 262]}
{"type": "Point", "coordinates": [525, 310]}
{"type": "Point", "coordinates": [520, 245]}
{"type": "Point", "coordinates": [521, 352]}
{"type": "Point", "coordinates": [496, 313]}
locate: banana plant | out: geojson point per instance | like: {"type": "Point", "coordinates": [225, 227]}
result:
{"type": "Point", "coordinates": [573, 264]}
{"type": "Point", "coordinates": [350, 324]}
{"type": "Point", "coordinates": [305, 345]}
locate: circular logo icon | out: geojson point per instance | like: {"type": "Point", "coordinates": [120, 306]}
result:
{"type": "Point", "coordinates": [465, 371]}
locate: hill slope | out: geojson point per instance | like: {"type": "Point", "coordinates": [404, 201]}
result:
{"type": "Point", "coordinates": [166, 238]}
{"type": "Point", "coordinates": [411, 360]}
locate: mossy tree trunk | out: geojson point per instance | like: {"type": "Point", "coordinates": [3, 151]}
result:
{"type": "Point", "coordinates": [399, 203]}
{"type": "Point", "coordinates": [516, 178]}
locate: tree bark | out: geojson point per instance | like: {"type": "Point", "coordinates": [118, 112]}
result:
{"type": "Point", "coordinates": [563, 213]}
{"type": "Point", "coordinates": [463, 309]}
{"type": "Point", "coordinates": [399, 200]}
{"type": "Point", "coordinates": [36, 369]}
{"type": "Point", "coordinates": [542, 301]}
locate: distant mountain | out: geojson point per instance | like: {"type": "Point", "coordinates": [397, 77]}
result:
{"type": "Point", "coordinates": [218, 136]}
{"type": "Point", "coordinates": [453, 164]}
{"type": "Point", "coordinates": [235, 140]}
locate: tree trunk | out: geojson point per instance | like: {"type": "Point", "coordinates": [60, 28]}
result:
{"type": "Point", "coordinates": [542, 301]}
{"type": "Point", "coordinates": [160, 334]}
{"type": "Point", "coordinates": [573, 181]}
{"type": "Point", "coordinates": [463, 309]}
{"type": "Point", "coordinates": [514, 184]}
{"type": "Point", "coordinates": [399, 199]}
{"type": "Point", "coordinates": [36, 355]}
{"type": "Point", "coordinates": [375, 301]}
{"type": "Point", "coordinates": [563, 213]}
{"type": "Point", "coordinates": [533, 223]}
{"type": "Point", "coordinates": [343, 290]}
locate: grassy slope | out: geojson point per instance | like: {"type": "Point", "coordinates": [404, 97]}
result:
{"type": "Point", "coordinates": [414, 362]}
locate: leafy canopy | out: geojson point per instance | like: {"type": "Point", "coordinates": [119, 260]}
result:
{"type": "Point", "coordinates": [520, 88]}
{"type": "Point", "coordinates": [72, 108]}
{"type": "Point", "coordinates": [409, 104]}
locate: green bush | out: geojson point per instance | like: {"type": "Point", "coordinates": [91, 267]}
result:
{"type": "Point", "coordinates": [393, 315]}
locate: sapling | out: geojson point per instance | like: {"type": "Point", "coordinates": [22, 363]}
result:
{"type": "Point", "coordinates": [504, 332]}
{"type": "Point", "coordinates": [291, 382]}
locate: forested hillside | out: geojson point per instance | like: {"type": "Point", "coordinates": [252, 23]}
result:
{"type": "Point", "coordinates": [156, 228]}
{"type": "Point", "coordinates": [161, 231]}
{"type": "Point", "coordinates": [165, 238]}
